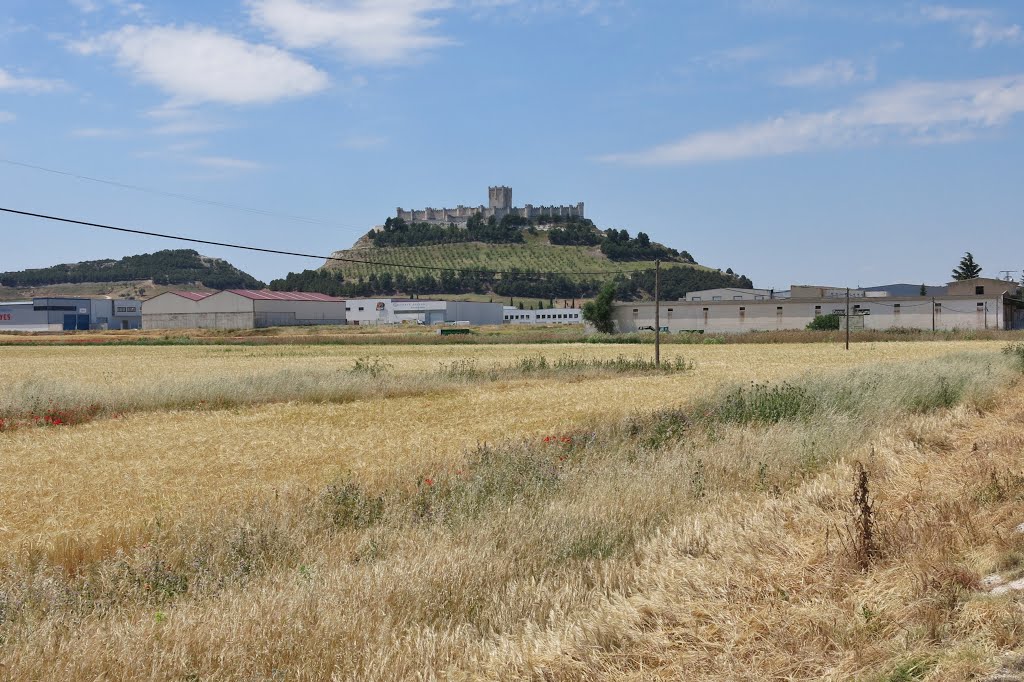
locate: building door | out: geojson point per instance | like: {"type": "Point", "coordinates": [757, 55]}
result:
{"type": "Point", "coordinates": [70, 322]}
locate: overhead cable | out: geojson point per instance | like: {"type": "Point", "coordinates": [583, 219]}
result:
{"type": "Point", "coordinates": [147, 233]}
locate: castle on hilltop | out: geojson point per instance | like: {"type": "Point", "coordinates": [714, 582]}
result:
{"type": "Point", "coordinates": [499, 205]}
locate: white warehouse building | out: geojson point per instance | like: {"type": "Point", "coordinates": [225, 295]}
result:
{"type": "Point", "coordinates": [364, 311]}
{"type": "Point", "coordinates": [514, 315]}
{"type": "Point", "coordinates": [971, 304]}
{"type": "Point", "coordinates": [240, 309]}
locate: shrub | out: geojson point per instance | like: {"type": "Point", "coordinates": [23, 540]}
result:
{"type": "Point", "coordinates": [599, 311]}
{"type": "Point", "coordinates": [824, 323]}
{"type": "Point", "coordinates": [1016, 351]}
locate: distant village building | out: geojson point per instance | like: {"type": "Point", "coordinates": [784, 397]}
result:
{"type": "Point", "coordinates": [54, 314]}
{"type": "Point", "coordinates": [362, 311]}
{"type": "Point", "coordinates": [979, 303]}
{"type": "Point", "coordinates": [514, 315]}
{"type": "Point", "coordinates": [240, 309]}
{"type": "Point", "coordinates": [499, 205]}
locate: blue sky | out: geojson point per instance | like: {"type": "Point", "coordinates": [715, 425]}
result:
{"type": "Point", "coordinates": [796, 141]}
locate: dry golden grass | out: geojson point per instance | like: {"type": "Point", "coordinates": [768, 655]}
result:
{"type": "Point", "coordinates": [126, 375]}
{"type": "Point", "coordinates": [111, 477]}
{"type": "Point", "coordinates": [641, 554]}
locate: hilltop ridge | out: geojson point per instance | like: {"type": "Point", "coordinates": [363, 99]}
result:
{"type": "Point", "coordinates": [506, 258]}
{"type": "Point", "coordinates": [139, 275]}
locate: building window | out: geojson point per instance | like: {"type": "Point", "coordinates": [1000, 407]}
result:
{"type": "Point", "coordinates": [737, 298]}
{"type": "Point", "coordinates": [759, 298]}
{"type": "Point", "coordinates": [360, 308]}
{"type": "Point", "coordinates": [695, 298]}
{"type": "Point", "coordinates": [716, 298]}
{"type": "Point", "coordinates": [979, 291]}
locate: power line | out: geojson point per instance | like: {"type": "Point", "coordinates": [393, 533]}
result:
{"type": "Point", "coordinates": [177, 195]}
{"type": "Point", "coordinates": [193, 240]}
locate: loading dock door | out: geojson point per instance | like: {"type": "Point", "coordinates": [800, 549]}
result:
{"type": "Point", "coordinates": [76, 322]}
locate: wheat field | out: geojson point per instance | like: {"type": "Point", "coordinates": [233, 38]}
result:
{"type": "Point", "coordinates": [554, 527]}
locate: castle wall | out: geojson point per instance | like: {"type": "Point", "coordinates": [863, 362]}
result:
{"type": "Point", "coordinates": [499, 205]}
{"type": "Point", "coordinates": [461, 215]}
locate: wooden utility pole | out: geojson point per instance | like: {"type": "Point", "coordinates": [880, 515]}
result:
{"type": "Point", "coordinates": [933, 314]}
{"type": "Point", "coordinates": [657, 313]}
{"type": "Point", "coordinates": [847, 318]}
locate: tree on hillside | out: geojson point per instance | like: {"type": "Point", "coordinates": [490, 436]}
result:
{"type": "Point", "coordinates": [924, 290]}
{"type": "Point", "coordinates": [968, 269]}
{"type": "Point", "coordinates": [599, 311]}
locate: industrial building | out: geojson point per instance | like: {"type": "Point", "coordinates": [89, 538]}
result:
{"type": "Point", "coordinates": [240, 309]}
{"type": "Point", "coordinates": [70, 314]}
{"type": "Point", "coordinates": [971, 304]}
{"type": "Point", "coordinates": [514, 315]}
{"type": "Point", "coordinates": [364, 311]}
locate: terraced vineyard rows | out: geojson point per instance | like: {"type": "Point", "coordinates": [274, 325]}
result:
{"type": "Point", "coordinates": [477, 256]}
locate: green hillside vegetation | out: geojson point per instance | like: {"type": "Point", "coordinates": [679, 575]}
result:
{"type": "Point", "coordinates": [139, 288]}
{"type": "Point", "coordinates": [163, 268]}
{"type": "Point", "coordinates": [472, 267]}
{"type": "Point", "coordinates": [534, 254]}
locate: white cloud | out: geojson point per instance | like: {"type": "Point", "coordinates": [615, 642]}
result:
{"type": "Point", "coordinates": [365, 31]}
{"type": "Point", "coordinates": [175, 119]}
{"type": "Point", "coordinates": [364, 141]}
{"type": "Point", "coordinates": [524, 10]}
{"type": "Point", "coordinates": [228, 163]}
{"type": "Point", "coordinates": [980, 24]}
{"type": "Point", "coordinates": [829, 74]}
{"type": "Point", "coordinates": [919, 113]}
{"type": "Point", "coordinates": [196, 64]}
{"type": "Point", "coordinates": [7, 117]}
{"type": "Point", "coordinates": [99, 132]}
{"type": "Point", "coordinates": [87, 6]}
{"type": "Point", "coordinates": [194, 126]}
{"type": "Point", "coordinates": [126, 7]}
{"type": "Point", "coordinates": [12, 83]}
{"type": "Point", "coordinates": [738, 56]}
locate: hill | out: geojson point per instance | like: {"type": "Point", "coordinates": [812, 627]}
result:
{"type": "Point", "coordinates": [521, 254]}
{"type": "Point", "coordinates": [144, 274]}
{"type": "Point", "coordinates": [908, 289]}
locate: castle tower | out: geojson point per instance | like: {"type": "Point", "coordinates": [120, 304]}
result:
{"type": "Point", "coordinates": [499, 197]}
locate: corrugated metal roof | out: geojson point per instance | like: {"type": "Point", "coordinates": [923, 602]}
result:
{"type": "Point", "coordinates": [267, 295]}
{"type": "Point", "coordinates": [192, 295]}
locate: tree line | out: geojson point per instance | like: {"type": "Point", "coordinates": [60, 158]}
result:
{"type": "Point", "coordinates": [617, 245]}
{"type": "Point", "coordinates": [398, 232]}
{"type": "Point", "coordinates": [675, 283]}
{"type": "Point", "coordinates": [171, 266]}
